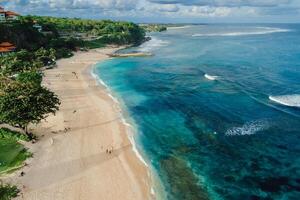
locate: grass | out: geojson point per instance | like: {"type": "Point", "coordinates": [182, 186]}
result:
{"type": "Point", "coordinates": [12, 154]}
{"type": "Point", "coordinates": [8, 192]}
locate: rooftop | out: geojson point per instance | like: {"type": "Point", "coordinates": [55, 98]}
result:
{"type": "Point", "coordinates": [6, 44]}
{"type": "Point", "coordinates": [6, 47]}
{"type": "Point", "coordinates": [4, 50]}
{"type": "Point", "coordinates": [11, 13]}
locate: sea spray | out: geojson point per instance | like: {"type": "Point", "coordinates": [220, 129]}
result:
{"type": "Point", "coordinates": [249, 128]}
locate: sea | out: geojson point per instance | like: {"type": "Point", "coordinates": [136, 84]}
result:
{"type": "Point", "coordinates": [216, 110]}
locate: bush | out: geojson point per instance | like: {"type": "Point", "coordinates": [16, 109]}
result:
{"type": "Point", "coordinates": [32, 77]}
{"type": "Point", "coordinates": [8, 192]}
{"type": "Point", "coordinates": [12, 135]}
{"type": "Point", "coordinates": [63, 53]}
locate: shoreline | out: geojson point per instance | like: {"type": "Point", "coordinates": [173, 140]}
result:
{"type": "Point", "coordinates": [157, 189]}
{"type": "Point", "coordinates": [129, 126]}
{"type": "Point", "coordinates": [71, 160]}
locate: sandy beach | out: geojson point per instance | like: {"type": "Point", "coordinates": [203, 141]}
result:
{"type": "Point", "coordinates": [72, 158]}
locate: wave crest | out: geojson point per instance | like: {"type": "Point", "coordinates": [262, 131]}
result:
{"type": "Point", "coordinates": [287, 100]}
{"type": "Point", "coordinates": [249, 128]}
{"type": "Point", "coordinates": [264, 30]}
{"type": "Point", "coordinates": [152, 44]}
{"type": "Point", "coordinates": [178, 27]}
{"type": "Point", "coordinates": [210, 77]}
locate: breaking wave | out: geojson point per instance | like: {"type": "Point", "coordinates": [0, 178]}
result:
{"type": "Point", "coordinates": [152, 44]}
{"type": "Point", "coordinates": [249, 128]}
{"type": "Point", "coordinates": [260, 31]}
{"type": "Point", "coordinates": [287, 100]}
{"type": "Point", "coordinates": [210, 77]}
{"type": "Point", "coordinates": [178, 27]}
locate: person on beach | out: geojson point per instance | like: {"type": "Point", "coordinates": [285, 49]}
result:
{"type": "Point", "coordinates": [75, 75]}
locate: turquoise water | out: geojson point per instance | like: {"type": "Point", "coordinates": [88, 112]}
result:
{"type": "Point", "coordinates": [216, 109]}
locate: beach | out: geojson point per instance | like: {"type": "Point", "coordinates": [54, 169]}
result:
{"type": "Point", "coordinates": [83, 152]}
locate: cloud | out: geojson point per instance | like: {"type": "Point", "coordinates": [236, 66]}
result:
{"type": "Point", "coordinates": [161, 10]}
{"type": "Point", "coordinates": [168, 8]}
{"type": "Point", "coordinates": [76, 4]}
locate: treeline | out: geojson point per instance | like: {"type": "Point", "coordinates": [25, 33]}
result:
{"type": "Point", "coordinates": [110, 32]}
{"type": "Point", "coordinates": [66, 34]}
{"type": "Point", "coordinates": [24, 36]}
{"type": "Point", "coordinates": [69, 33]}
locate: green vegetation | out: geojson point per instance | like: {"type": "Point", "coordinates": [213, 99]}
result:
{"type": "Point", "coordinates": [23, 103]}
{"type": "Point", "coordinates": [7, 134]}
{"type": "Point", "coordinates": [30, 77]}
{"type": "Point", "coordinates": [65, 35]}
{"type": "Point", "coordinates": [109, 32]}
{"type": "Point", "coordinates": [93, 44]}
{"type": "Point", "coordinates": [12, 154]}
{"type": "Point", "coordinates": [8, 192]}
{"type": "Point", "coordinates": [22, 34]}
{"type": "Point", "coordinates": [24, 60]}
{"type": "Point", "coordinates": [154, 27]}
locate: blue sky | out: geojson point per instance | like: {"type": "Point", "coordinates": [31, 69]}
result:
{"type": "Point", "coordinates": [194, 11]}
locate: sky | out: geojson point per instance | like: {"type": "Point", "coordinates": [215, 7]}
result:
{"type": "Point", "coordinates": [165, 11]}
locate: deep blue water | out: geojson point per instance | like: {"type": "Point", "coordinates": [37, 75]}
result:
{"type": "Point", "coordinates": [219, 135]}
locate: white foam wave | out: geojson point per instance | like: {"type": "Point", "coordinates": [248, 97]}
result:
{"type": "Point", "coordinates": [210, 77]}
{"type": "Point", "coordinates": [177, 27]}
{"type": "Point", "coordinates": [98, 80]}
{"type": "Point", "coordinates": [134, 148]}
{"type": "Point", "coordinates": [130, 134]}
{"type": "Point", "coordinates": [260, 31]}
{"type": "Point", "coordinates": [126, 123]}
{"type": "Point", "coordinates": [152, 191]}
{"type": "Point", "coordinates": [152, 44]}
{"type": "Point", "coordinates": [249, 128]}
{"type": "Point", "coordinates": [287, 100]}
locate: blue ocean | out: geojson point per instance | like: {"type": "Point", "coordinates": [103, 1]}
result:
{"type": "Point", "coordinates": [216, 110]}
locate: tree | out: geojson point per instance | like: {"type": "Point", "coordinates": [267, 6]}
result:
{"type": "Point", "coordinates": [30, 77]}
{"type": "Point", "coordinates": [20, 61]}
{"type": "Point", "coordinates": [8, 191]}
{"type": "Point", "coordinates": [47, 57]}
{"type": "Point", "coordinates": [24, 103]}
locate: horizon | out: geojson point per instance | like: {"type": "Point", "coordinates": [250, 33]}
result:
{"type": "Point", "coordinates": [165, 11]}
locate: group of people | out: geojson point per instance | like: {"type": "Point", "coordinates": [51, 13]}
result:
{"type": "Point", "coordinates": [110, 150]}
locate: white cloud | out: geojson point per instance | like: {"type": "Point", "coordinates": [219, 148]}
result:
{"type": "Point", "coordinates": [181, 9]}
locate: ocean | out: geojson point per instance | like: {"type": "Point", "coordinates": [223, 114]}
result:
{"type": "Point", "coordinates": [216, 109]}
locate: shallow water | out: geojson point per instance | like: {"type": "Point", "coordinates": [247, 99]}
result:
{"type": "Point", "coordinates": [205, 111]}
